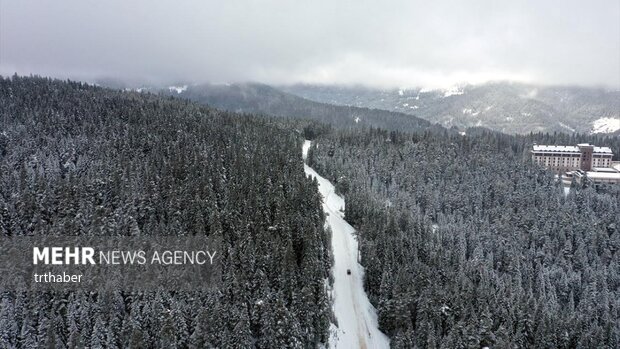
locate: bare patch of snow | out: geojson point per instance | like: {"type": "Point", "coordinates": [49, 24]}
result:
{"type": "Point", "coordinates": [470, 111]}
{"type": "Point", "coordinates": [453, 91]}
{"type": "Point", "coordinates": [178, 89]}
{"type": "Point", "coordinates": [606, 125]}
{"type": "Point", "coordinates": [305, 148]}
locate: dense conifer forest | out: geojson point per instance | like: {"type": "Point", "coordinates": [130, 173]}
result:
{"type": "Point", "coordinates": [82, 160]}
{"type": "Point", "coordinates": [466, 244]}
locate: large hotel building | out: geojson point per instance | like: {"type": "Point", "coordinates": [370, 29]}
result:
{"type": "Point", "coordinates": [583, 161]}
{"type": "Point", "coordinates": [562, 158]}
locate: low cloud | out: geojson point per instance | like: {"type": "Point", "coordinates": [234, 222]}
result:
{"type": "Point", "coordinates": [388, 44]}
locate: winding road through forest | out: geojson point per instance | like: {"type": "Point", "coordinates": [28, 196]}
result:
{"type": "Point", "coordinates": [357, 325]}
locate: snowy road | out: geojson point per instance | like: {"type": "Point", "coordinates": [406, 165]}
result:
{"type": "Point", "coordinates": [357, 318]}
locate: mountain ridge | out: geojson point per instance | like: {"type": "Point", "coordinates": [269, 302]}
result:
{"type": "Point", "coordinates": [508, 107]}
{"type": "Point", "coordinates": [264, 99]}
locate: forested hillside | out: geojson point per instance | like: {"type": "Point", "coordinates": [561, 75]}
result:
{"type": "Point", "coordinates": [466, 246]}
{"type": "Point", "coordinates": [83, 160]}
{"type": "Point", "coordinates": [263, 99]}
{"type": "Point", "coordinates": [465, 243]}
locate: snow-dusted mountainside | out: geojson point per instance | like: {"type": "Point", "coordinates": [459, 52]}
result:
{"type": "Point", "coordinates": [506, 107]}
{"type": "Point", "coordinates": [357, 319]}
{"type": "Point", "coordinates": [264, 99]}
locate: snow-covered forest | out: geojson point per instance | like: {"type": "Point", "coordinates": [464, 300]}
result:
{"type": "Point", "coordinates": [468, 245]}
{"type": "Point", "coordinates": [463, 242]}
{"type": "Point", "coordinates": [310, 174]}
{"type": "Point", "coordinates": [83, 160]}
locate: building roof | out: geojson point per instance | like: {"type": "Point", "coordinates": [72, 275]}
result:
{"type": "Point", "coordinates": [606, 150]}
{"type": "Point", "coordinates": [603, 175]}
{"type": "Point", "coordinates": [568, 149]}
{"type": "Point", "coordinates": [605, 169]}
{"type": "Point", "coordinates": [556, 148]}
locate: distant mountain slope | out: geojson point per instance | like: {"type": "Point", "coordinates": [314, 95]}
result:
{"type": "Point", "coordinates": [505, 107]}
{"type": "Point", "coordinates": [259, 98]}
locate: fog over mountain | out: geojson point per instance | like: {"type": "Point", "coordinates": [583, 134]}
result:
{"type": "Point", "coordinates": [264, 99]}
{"type": "Point", "coordinates": [501, 106]}
{"type": "Point", "coordinates": [380, 44]}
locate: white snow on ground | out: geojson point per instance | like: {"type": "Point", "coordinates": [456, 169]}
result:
{"type": "Point", "coordinates": [178, 89]}
{"type": "Point", "coordinates": [357, 318]}
{"type": "Point", "coordinates": [453, 91]}
{"type": "Point", "coordinates": [305, 148]}
{"type": "Point", "coordinates": [606, 125]}
{"type": "Point", "coordinates": [567, 127]}
{"type": "Point", "coordinates": [469, 111]}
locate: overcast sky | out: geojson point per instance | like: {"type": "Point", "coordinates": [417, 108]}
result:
{"type": "Point", "coordinates": [376, 43]}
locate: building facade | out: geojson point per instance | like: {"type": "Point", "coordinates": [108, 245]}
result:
{"type": "Point", "coordinates": [561, 158]}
